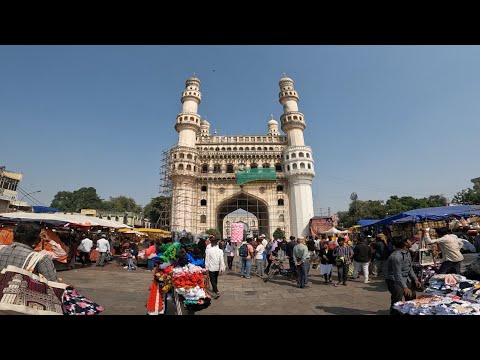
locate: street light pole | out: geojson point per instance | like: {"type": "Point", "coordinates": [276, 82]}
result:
{"type": "Point", "coordinates": [30, 193]}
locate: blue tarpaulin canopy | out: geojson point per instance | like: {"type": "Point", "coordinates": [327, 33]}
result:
{"type": "Point", "coordinates": [367, 222]}
{"type": "Point", "coordinates": [44, 209]}
{"type": "Point", "coordinates": [432, 213]}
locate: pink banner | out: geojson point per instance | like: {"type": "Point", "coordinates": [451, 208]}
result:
{"type": "Point", "coordinates": [236, 232]}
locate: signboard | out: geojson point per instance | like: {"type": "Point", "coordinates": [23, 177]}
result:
{"type": "Point", "coordinates": [88, 212]}
{"type": "Point", "coordinates": [7, 197]}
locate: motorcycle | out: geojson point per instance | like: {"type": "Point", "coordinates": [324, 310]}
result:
{"type": "Point", "coordinates": [276, 268]}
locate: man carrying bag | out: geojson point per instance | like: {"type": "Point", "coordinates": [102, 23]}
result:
{"type": "Point", "coordinates": [28, 280]}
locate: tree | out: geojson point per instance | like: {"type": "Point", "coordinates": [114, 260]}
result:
{"type": "Point", "coordinates": [376, 209]}
{"type": "Point", "coordinates": [354, 196]}
{"type": "Point", "coordinates": [121, 204]}
{"type": "Point", "coordinates": [467, 197]}
{"type": "Point", "coordinates": [83, 198]}
{"type": "Point", "coordinates": [157, 210]}
{"type": "Point", "coordinates": [358, 209]}
{"type": "Point", "coordinates": [278, 234]}
{"type": "Point", "coordinates": [64, 200]}
{"type": "Point", "coordinates": [214, 232]}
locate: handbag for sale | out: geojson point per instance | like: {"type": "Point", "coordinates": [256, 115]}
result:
{"type": "Point", "coordinates": [22, 292]}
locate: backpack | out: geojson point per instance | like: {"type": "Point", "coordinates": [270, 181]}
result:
{"type": "Point", "coordinates": [243, 251]}
{"type": "Point", "coordinates": [339, 261]}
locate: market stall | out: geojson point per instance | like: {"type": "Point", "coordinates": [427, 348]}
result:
{"type": "Point", "coordinates": [181, 270]}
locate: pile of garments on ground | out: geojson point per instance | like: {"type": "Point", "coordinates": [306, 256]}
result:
{"type": "Point", "coordinates": [453, 284]}
{"type": "Point", "coordinates": [448, 294]}
{"type": "Point", "coordinates": [426, 272]}
{"type": "Point", "coordinates": [179, 266]}
{"type": "Point", "coordinates": [438, 305]}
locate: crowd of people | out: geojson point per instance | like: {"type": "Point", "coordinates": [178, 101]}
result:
{"type": "Point", "coordinates": [381, 255]}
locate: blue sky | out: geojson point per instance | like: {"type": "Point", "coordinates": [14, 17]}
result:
{"type": "Point", "coordinates": [382, 120]}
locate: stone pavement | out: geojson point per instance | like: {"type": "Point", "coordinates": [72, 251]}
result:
{"type": "Point", "coordinates": [119, 291]}
{"type": "Point", "coordinates": [125, 293]}
{"type": "Point", "coordinates": [280, 296]}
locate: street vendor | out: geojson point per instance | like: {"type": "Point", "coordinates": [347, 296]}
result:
{"type": "Point", "coordinates": [400, 275]}
{"type": "Point", "coordinates": [450, 246]}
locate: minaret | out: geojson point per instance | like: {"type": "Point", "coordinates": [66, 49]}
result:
{"type": "Point", "coordinates": [205, 128]}
{"type": "Point", "coordinates": [298, 160]}
{"type": "Point", "coordinates": [183, 159]}
{"type": "Point", "coordinates": [273, 127]}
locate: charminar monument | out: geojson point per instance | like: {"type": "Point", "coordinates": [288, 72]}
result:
{"type": "Point", "coordinates": [268, 176]}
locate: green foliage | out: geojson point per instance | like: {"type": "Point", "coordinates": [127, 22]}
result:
{"type": "Point", "coordinates": [84, 198]}
{"type": "Point", "coordinates": [215, 232]}
{"type": "Point", "coordinates": [87, 198]}
{"type": "Point", "coordinates": [156, 210]}
{"type": "Point", "coordinates": [121, 204]}
{"type": "Point", "coordinates": [467, 197]}
{"type": "Point", "coordinates": [358, 209]}
{"type": "Point", "coordinates": [376, 209]}
{"type": "Point", "coordinates": [279, 233]}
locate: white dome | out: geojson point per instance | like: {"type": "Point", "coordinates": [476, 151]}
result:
{"type": "Point", "coordinates": [273, 122]}
{"type": "Point", "coordinates": [205, 123]}
{"type": "Point", "coordinates": [285, 78]}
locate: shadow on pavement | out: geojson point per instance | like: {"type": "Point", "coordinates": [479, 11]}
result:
{"type": "Point", "coordinates": [336, 310]}
{"type": "Point", "coordinates": [376, 286]}
{"type": "Point", "coordinates": [283, 281]}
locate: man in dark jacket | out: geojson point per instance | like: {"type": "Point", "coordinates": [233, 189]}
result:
{"type": "Point", "coordinates": [361, 255]}
{"type": "Point", "coordinates": [289, 252]}
{"type": "Point", "coordinates": [400, 277]}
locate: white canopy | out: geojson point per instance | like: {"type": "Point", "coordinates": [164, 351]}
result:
{"type": "Point", "coordinates": [334, 231]}
{"type": "Point", "coordinates": [69, 218]}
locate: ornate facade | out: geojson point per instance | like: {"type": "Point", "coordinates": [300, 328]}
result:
{"type": "Point", "coordinates": [203, 170]}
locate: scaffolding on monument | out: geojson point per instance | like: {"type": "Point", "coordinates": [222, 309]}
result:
{"type": "Point", "coordinates": [166, 191]}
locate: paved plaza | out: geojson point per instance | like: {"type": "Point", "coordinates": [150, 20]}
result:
{"type": "Point", "coordinates": [125, 293]}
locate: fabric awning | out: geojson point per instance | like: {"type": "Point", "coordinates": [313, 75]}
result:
{"type": "Point", "coordinates": [63, 219]}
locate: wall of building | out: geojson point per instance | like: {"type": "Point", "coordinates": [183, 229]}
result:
{"type": "Point", "coordinates": [9, 181]}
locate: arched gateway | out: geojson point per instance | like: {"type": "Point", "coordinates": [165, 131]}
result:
{"type": "Point", "coordinates": [268, 176]}
{"type": "Point", "coordinates": [251, 205]}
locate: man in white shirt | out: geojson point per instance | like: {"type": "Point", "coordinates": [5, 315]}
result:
{"type": "Point", "coordinates": [450, 246]}
{"type": "Point", "coordinates": [103, 246]}
{"type": "Point", "coordinates": [263, 240]}
{"type": "Point", "coordinates": [214, 263]}
{"type": "Point", "coordinates": [84, 248]}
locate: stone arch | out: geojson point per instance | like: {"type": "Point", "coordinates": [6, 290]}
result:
{"type": "Point", "coordinates": [247, 202]}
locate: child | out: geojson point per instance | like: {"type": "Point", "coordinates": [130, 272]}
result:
{"type": "Point", "coordinates": [131, 257]}
{"type": "Point", "coordinates": [326, 261]}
